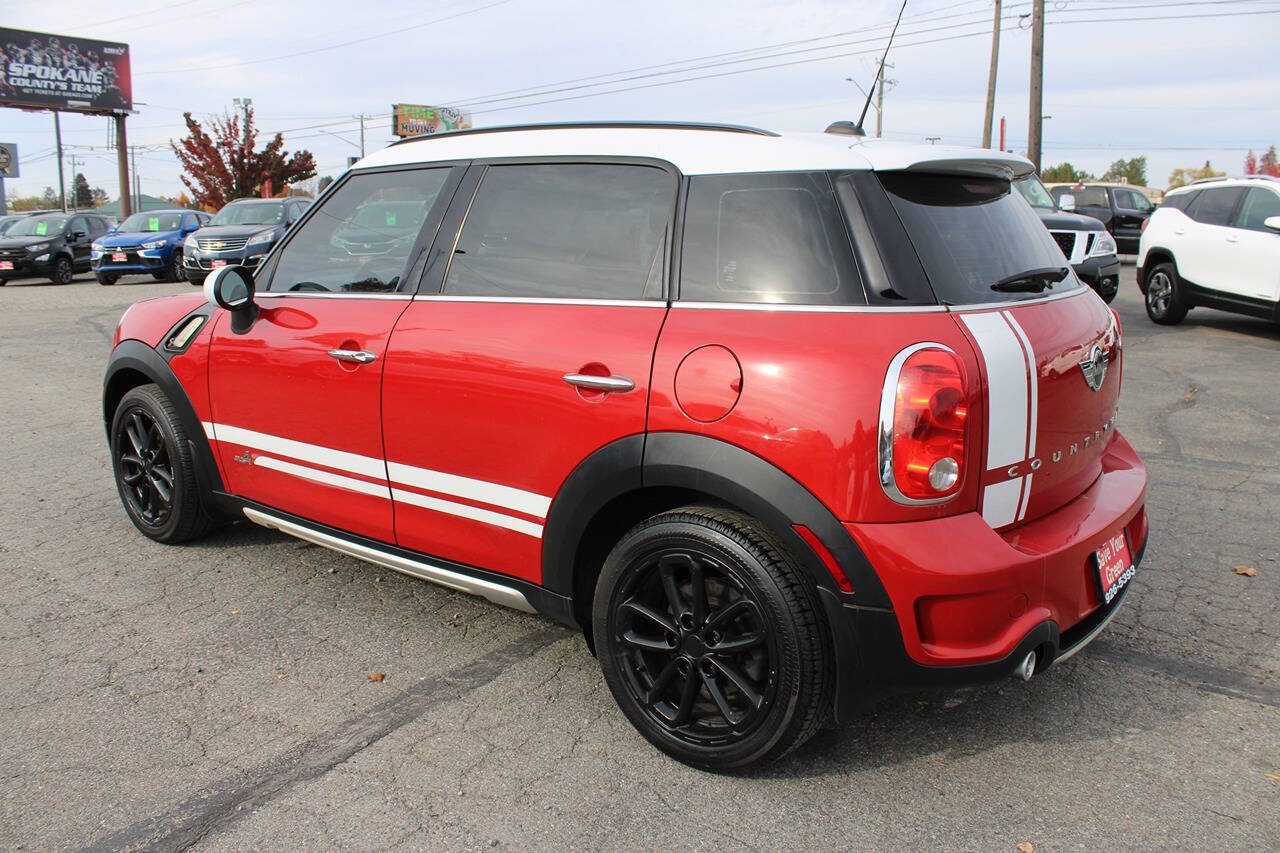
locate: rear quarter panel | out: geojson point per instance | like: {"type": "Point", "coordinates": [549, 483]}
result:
{"type": "Point", "coordinates": [810, 395]}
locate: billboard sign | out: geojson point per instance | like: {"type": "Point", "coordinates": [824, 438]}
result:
{"type": "Point", "coordinates": [417, 120]}
{"type": "Point", "coordinates": [8, 160]}
{"type": "Point", "coordinates": [50, 72]}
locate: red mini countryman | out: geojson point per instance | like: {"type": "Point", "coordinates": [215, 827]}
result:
{"type": "Point", "coordinates": [767, 417]}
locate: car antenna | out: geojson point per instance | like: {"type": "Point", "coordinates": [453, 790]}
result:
{"type": "Point", "coordinates": [847, 129]}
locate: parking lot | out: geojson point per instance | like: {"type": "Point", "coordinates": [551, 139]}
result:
{"type": "Point", "coordinates": [218, 694]}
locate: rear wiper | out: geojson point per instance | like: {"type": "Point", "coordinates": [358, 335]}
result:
{"type": "Point", "coordinates": [1031, 281]}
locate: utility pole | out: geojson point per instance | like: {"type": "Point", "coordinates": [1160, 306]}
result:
{"type": "Point", "coordinates": [137, 180]}
{"type": "Point", "coordinates": [74, 201]}
{"type": "Point", "coordinates": [880, 81]}
{"type": "Point", "coordinates": [62, 185]}
{"type": "Point", "coordinates": [362, 136]}
{"type": "Point", "coordinates": [991, 80]}
{"type": "Point", "coordinates": [1035, 120]}
{"type": "Point", "coordinates": [122, 166]}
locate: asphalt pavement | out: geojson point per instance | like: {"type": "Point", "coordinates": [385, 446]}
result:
{"type": "Point", "coordinates": [219, 695]}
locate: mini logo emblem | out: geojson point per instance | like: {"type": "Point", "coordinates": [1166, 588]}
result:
{"type": "Point", "coordinates": [242, 457]}
{"type": "Point", "coordinates": [1095, 367]}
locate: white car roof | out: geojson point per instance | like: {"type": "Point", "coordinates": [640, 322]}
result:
{"type": "Point", "coordinates": [701, 149]}
{"type": "Point", "coordinates": [1234, 181]}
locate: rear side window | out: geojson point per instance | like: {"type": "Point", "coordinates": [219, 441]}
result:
{"type": "Point", "coordinates": [973, 233]}
{"type": "Point", "coordinates": [1214, 206]}
{"type": "Point", "coordinates": [1180, 201]}
{"type": "Point", "coordinates": [772, 238]}
{"type": "Point", "coordinates": [565, 231]}
{"type": "Point", "coordinates": [362, 238]}
{"type": "Point", "coordinates": [1258, 204]}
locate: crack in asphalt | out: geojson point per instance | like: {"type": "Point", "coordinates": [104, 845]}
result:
{"type": "Point", "coordinates": [1215, 679]}
{"type": "Point", "coordinates": [224, 802]}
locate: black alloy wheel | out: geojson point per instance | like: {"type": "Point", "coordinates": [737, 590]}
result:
{"type": "Point", "coordinates": [154, 469]}
{"type": "Point", "coordinates": [1164, 305]}
{"type": "Point", "coordinates": [175, 271]}
{"type": "Point", "coordinates": [710, 639]}
{"type": "Point", "coordinates": [62, 271]}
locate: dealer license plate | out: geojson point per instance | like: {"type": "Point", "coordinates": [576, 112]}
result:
{"type": "Point", "coordinates": [119, 257]}
{"type": "Point", "coordinates": [6, 265]}
{"type": "Point", "coordinates": [1115, 566]}
{"type": "Point", "coordinates": [216, 264]}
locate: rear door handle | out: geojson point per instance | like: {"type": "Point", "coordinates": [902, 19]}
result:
{"type": "Point", "coordinates": [616, 384]}
{"type": "Point", "coordinates": [1233, 238]}
{"type": "Point", "coordinates": [357, 356]}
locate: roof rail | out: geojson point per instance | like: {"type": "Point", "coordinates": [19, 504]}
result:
{"type": "Point", "coordinates": [572, 125]}
{"type": "Point", "coordinates": [1235, 178]}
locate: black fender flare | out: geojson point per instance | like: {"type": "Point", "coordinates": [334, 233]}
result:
{"type": "Point", "coordinates": [135, 356]}
{"type": "Point", "coordinates": [738, 477]}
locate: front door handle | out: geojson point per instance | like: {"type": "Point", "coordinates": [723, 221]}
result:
{"type": "Point", "coordinates": [1179, 231]}
{"type": "Point", "coordinates": [615, 384]}
{"type": "Point", "coordinates": [1233, 238]}
{"type": "Point", "coordinates": [357, 356]}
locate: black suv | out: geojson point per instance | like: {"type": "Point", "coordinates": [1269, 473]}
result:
{"type": "Point", "coordinates": [241, 234]}
{"type": "Point", "coordinates": [1086, 244]}
{"type": "Point", "coordinates": [51, 245]}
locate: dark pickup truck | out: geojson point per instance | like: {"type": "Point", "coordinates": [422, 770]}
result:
{"type": "Point", "coordinates": [1122, 210]}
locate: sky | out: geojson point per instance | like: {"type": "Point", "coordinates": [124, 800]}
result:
{"type": "Point", "coordinates": [1180, 83]}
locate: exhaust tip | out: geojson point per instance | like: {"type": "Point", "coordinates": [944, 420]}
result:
{"type": "Point", "coordinates": [1027, 668]}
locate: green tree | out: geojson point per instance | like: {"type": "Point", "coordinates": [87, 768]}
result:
{"type": "Point", "coordinates": [1131, 171]}
{"type": "Point", "coordinates": [99, 196]}
{"type": "Point", "coordinates": [1185, 175]}
{"type": "Point", "coordinates": [1064, 173]}
{"type": "Point", "coordinates": [49, 198]}
{"type": "Point", "coordinates": [325, 180]}
{"type": "Point", "coordinates": [80, 191]}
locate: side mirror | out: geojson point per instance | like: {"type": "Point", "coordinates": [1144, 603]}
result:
{"type": "Point", "coordinates": [1272, 222]}
{"type": "Point", "coordinates": [111, 230]}
{"type": "Point", "coordinates": [232, 288]}
{"type": "Point", "coordinates": [79, 235]}
{"type": "Point", "coordinates": [194, 226]}
{"type": "Point", "coordinates": [1067, 202]}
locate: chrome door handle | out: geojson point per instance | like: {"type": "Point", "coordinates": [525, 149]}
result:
{"type": "Point", "coordinates": [358, 356]}
{"type": "Point", "coordinates": [1179, 231]}
{"type": "Point", "coordinates": [616, 384]}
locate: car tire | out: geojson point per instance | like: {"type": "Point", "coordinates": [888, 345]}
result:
{"type": "Point", "coordinates": [177, 272]}
{"type": "Point", "coordinates": [1162, 298]}
{"type": "Point", "coordinates": [150, 456]}
{"type": "Point", "coordinates": [107, 279]}
{"type": "Point", "coordinates": [711, 638]}
{"type": "Point", "coordinates": [195, 282]}
{"type": "Point", "coordinates": [63, 272]}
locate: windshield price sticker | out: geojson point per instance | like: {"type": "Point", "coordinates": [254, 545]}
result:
{"type": "Point", "coordinates": [153, 223]}
{"type": "Point", "coordinates": [42, 229]}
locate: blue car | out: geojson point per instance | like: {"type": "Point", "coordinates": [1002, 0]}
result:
{"type": "Point", "coordinates": [148, 242]}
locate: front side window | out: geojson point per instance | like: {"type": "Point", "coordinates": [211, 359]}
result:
{"type": "Point", "coordinates": [977, 241]}
{"type": "Point", "coordinates": [771, 238]}
{"type": "Point", "coordinates": [360, 239]}
{"type": "Point", "coordinates": [565, 231]}
{"type": "Point", "coordinates": [1259, 204]}
{"type": "Point", "coordinates": [1214, 206]}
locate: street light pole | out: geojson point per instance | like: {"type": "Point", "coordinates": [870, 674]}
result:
{"type": "Point", "coordinates": [62, 184]}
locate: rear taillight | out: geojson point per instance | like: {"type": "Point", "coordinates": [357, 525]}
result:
{"type": "Point", "coordinates": [924, 415]}
{"type": "Point", "coordinates": [1143, 228]}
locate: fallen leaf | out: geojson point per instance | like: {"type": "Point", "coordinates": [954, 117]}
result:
{"type": "Point", "coordinates": [1025, 847]}
{"type": "Point", "coordinates": [375, 677]}
{"type": "Point", "coordinates": [1247, 571]}
{"type": "Point", "coordinates": [1273, 777]}
{"type": "Point", "coordinates": [235, 612]}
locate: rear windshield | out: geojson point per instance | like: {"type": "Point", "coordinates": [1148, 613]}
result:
{"type": "Point", "coordinates": [976, 239]}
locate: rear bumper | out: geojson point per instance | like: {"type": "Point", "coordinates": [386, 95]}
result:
{"type": "Point", "coordinates": [969, 603]}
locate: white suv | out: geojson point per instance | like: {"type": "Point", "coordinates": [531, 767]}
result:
{"type": "Point", "coordinates": [1214, 243]}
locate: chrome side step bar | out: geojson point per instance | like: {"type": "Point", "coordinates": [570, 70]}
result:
{"type": "Point", "coordinates": [495, 592]}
